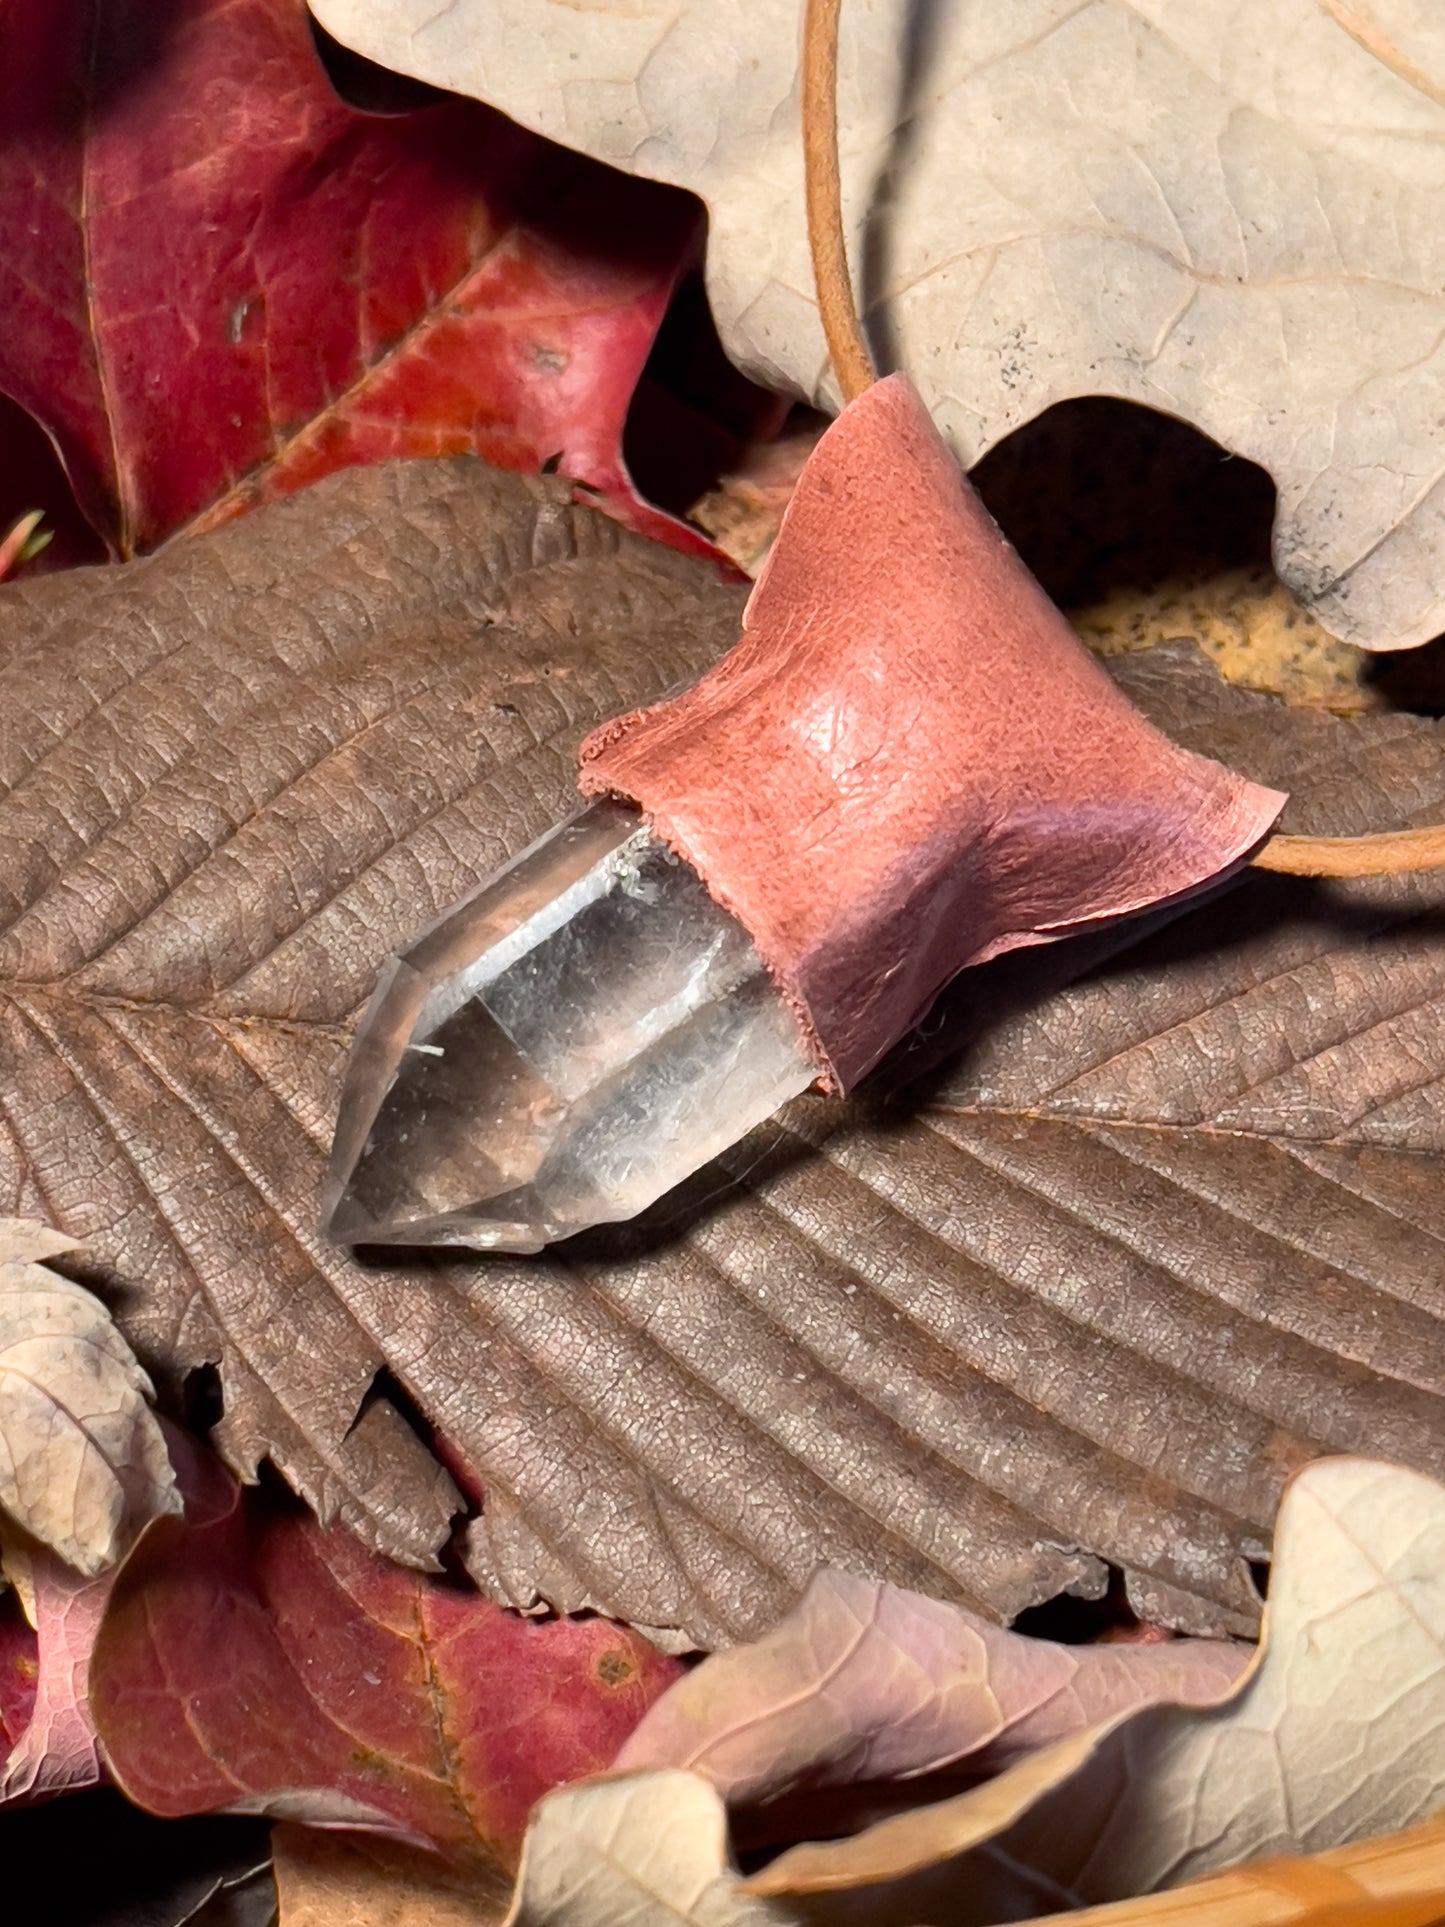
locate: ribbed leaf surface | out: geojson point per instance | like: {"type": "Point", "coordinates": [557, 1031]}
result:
{"type": "Point", "coordinates": [1092, 1272]}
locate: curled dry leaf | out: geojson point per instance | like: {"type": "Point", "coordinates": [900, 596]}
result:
{"type": "Point", "coordinates": [1138, 198]}
{"type": "Point", "coordinates": [1129, 1254]}
{"type": "Point", "coordinates": [1335, 1736]}
{"type": "Point", "coordinates": [221, 282]}
{"type": "Point", "coordinates": [83, 1464]}
{"type": "Point", "coordinates": [22, 542]}
{"type": "Point", "coordinates": [865, 1682]}
{"type": "Point", "coordinates": [19, 1670]}
{"type": "Point", "coordinates": [647, 1849]}
{"type": "Point", "coordinates": [592, 1841]}
{"type": "Point", "coordinates": [251, 1663]}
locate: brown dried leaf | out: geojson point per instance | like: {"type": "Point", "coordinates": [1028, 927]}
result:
{"type": "Point", "coordinates": [247, 768]}
{"type": "Point", "coordinates": [1138, 1253]}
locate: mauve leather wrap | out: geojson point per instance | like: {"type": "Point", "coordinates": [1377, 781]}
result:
{"type": "Point", "coordinates": [909, 763]}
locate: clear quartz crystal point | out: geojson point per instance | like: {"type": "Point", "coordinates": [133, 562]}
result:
{"type": "Point", "coordinates": [559, 1049]}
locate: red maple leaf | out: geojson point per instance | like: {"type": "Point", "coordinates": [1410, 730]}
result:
{"type": "Point", "coordinates": [221, 281]}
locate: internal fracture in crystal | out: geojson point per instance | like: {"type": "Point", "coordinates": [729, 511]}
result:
{"type": "Point", "coordinates": [560, 1049]}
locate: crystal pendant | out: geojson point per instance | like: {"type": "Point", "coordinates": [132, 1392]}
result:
{"type": "Point", "coordinates": [558, 1050]}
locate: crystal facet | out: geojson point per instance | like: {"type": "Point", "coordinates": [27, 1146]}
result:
{"type": "Point", "coordinates": [558, 1050]}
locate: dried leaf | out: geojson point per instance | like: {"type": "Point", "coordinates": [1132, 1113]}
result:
{"type": "Point", "coordinates": [1337, 1734]}
{"type": "Point", "coordinates": [745, 511]}
{"type": "Point", "coordinates": [597, 1845]}
{"type": "Point", "coordinates": [22, 542]}
{"type": "Point", "coordinates": [1129, 1255]}
{"type": "Point", "coordinates": [19, 1670]}
{"type": "Point", "coordinates": [53, 1747]}
{"type": "Point", "coordinates": [251, 1663]}
{"type": "Point", "coordinates": [221, 282]}
{"type": "Point", "coordinates": [352, 1880]}
{"type": "Point", "coordinates": [83, 1465]}
{"type": "Point", "coordinates": [646, 1849]}
{"type": "Point", "coordinates": [865, 1682]}
{"type": "Point", "coordinates": [402, 660]}
{"type": "Point", "coordinates": [1135, 198]}
{"type": "Point", "coordinates": [1254, 631]}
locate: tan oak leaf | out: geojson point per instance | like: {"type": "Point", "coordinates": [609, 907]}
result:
{"type": "Point", "coordinates": [83, 1463]}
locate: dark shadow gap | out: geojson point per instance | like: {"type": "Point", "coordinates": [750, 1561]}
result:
{"type": "Point", "coordinates": [366, 86]}
{"type": "Point", "coordinates": [1070, 1620]}
{"type": "Point", "coordinates": [203, 1402]}
{"type": "Point", "coordinates": [693, 414]}
{"type": "Point", "coordinates": [101, 1862]}
{"type": "Point", "coordinates": [32, 477]}
{"type": "Point", "coordinates": [1099, 495]}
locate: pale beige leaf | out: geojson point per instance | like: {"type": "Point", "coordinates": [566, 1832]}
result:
{"type": "Point", "coordinates": [326, 1879]}
{"type": "Point", "coordinates": [1338, 1734]}
{"type": "Point", "coordinates": [643, 1850]}
{"type": "Point", "coordinates": [650, 1850]}
{"type": "Point", "coordinates": [83, 1465]}
{"type": "Point", "coordinates": [23, 1241]}
{"type": "Point", "coordinates": [1229, 213]}
{"type": "Point", "coordinates": [865, 1681]}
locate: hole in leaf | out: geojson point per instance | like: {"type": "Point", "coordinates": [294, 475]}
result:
{"type": "Point", "coordinates": [386, 1386]}
{"type": "Point", "coordinates": [693, 412]}
{"type": "Point", "coordinates": [1099, 495]}
{"type": "Point", "coordinates": [1410, 679]}
{"type": "Point", "coordinates": [1108, 501]}
{"type": "Point", "coordinates": [203, 1403]}
{"type": "Point", "coordinates": [1074, 1621]}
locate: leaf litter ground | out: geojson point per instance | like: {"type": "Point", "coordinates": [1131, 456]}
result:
{"type": "Point", "coordinates": [1095, 1268]}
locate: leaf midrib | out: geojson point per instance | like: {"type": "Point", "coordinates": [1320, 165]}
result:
{"type": "Point", "coordinates": [58, 997]}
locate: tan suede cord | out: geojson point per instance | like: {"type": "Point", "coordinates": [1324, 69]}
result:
{"type": "Point", "coordinates": [1392, 853]}
{"type": "Point", "coordinates": [852, 363]}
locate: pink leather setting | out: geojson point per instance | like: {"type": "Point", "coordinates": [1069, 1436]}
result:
{"type": "Point", "coordinates": [909, 763]}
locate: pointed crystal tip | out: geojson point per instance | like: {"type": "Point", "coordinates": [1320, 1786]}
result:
{"type": "Point", "coordinates": [559, 1050]}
